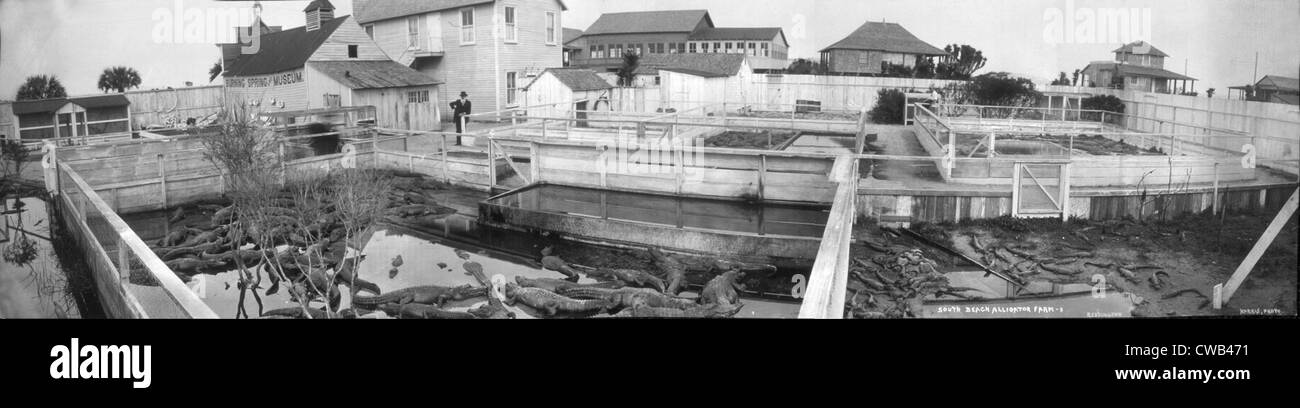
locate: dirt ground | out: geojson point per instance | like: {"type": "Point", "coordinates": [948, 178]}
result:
{"type": "Point", "coordinates": [764, 140]}
{"type": "Point", "coordinates": [1172, 264]}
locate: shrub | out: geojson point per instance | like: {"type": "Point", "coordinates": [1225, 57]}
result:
{"type": "Point", "coordinates": [889, 107]}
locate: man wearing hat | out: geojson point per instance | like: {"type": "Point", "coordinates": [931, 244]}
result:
{"type": "Point", "coordinates": [460, 108]}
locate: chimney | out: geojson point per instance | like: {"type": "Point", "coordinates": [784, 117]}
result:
{"type": "Point", "coordinates": [318, 12]}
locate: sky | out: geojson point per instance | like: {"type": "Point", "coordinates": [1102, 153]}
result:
{"type": "Point", "coordinates": [1215, 41]}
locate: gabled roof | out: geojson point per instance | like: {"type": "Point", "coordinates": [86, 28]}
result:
{"type": "Point", "coordinates": [706, 65]}
{"type": "Point", "coordinates": [369, 11]}
{"type": "Point", "coordinates": [571, 34]}
{"type": "Point", "coordinates": [1138, 70]}
{"type": "Point", "coordinates": [372, 74]}
{"type": "Point", "coordinates": [889, 37]}
{"type": "Point", "coordinates": [53, 104]}
{"type": "Point", "coordinates": [1278, 83]}
{"type": "Point", "coordinates": [738, 34]}
{"type": "Point", "coordinates": [637, 22]}
{"type": "Point", "coordinates": [284, 50]}
{"type": "Point", "coordinates": [576, 79]}
{"type": "Point", "coordinates": [1141, 48]}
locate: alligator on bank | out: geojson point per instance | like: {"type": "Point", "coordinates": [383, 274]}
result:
{"type": "Point", "coordinates": [629, 297]}
{"type": "Point", "coordinates": [632, 277]}
{"type": "Point", "coordinates": [674, 271]}
{"type": "Point", "coordinates": [422, 311]}
{"type": "Point", "coordinates": [699, 312]}
{"type": "Point", "coordinates": [552, 285]}
{"type": "Point", "coordinates": [427, 295]}
{"type": "Point", "coordinates": [551, 303]}
{"type": "Point", "coordinates": [554, 263]}
{"type": "Point", "coordinates": [721, 290]}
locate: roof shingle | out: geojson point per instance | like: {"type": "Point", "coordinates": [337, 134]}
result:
{"type": "Point", "coordinates": [283, 50]}
{"type": "Point", "coordinates": [706, 65]}
{"type": "Point", "coordinates": [1141, 48]}
{"type": "Point", "coordinates": [577, 79]}
{"type": "Point", "coordinates": [372, 74]}
{"type": "Point", "coordinates": [665, 21]}
{"type": "Point", "coordinates": [889, 37]}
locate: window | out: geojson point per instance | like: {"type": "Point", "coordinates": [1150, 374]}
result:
{"type": "Point", "coordinates": [1133, 80]}
{"type": "Point", "coordinates": [511, 90]}
{"type": "Point", "coordinates": [717, 47]}
{"type": "Point", "coordinates": [753, 49]}
{"type": "Point", "coordinates": [333, 101]}
{"type": "Point", "coordinates": [370, 31]}
{"type": "Point", "coordinates": [413, 32]}
{"type": "Point", "coordinates": [766, 52]}
{"type": "Point", "coordinates": [692, 48]}
{"type": "Point", "coordinates": [656, 80]}
{"type": "Point", "coordinates": [352, 50]}
{"type": "Point", "coordinates": [552, 37]}
{"type": "Point", "coordinates": [593, 52]}
{"type": "Point", "coordinates": [704, 48]}
{"type": "Point", "coordinates": [600, 51]}
{"type": "Point", "coordinates": [467, 26]}
{"type": "Point", "coordinates": [417, 96]}
{"type": "Point", "coordinates": [512, 29]}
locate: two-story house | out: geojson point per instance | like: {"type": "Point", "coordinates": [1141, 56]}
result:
{"type": "Point", "coordinates": [489, 49]}
{"type": "Point", "coordinates": [673, 32]}
{"type": "Point", "coordinates": [873, 46]}
{"type": "Point", "coordinates": [1137, 66]}
{"type": "Point", "coordinates": [328, 63]}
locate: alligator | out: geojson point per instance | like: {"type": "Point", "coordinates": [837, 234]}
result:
{"type": "Point", "coordinates": [184, 251]}
{"type": "Point", "coordinates": [421, 311]}
{"type": "Point", "coordinates": [629, 297]}
{"type": "Point", "coordinates": [552, 285]}
{"type": "Point", "coordinates": [224, 216]}
{"type": "Point", "coordinates": [634, 277]}
{"type": "Point", "coordinates": [346, 275]}
{"type": "Point", "coordinates": [721, 289]}
{"type": "Point", "coordinates": [190, 266]}
{"type": "Point", "coordinates": [493, 309]}
{"type": "Point", "coordinates": [177, 216]}
{"type": "Point", "coordinates": [674, 271]}
{"type": "Point", "coordinates": [554, 263]}
{"type": "Point", "coordinates": [204, 237]}
{"type": "Point", "coordinates": [475, 269]}
{"type": "Point", "coordinates": [703, 312]}
{"type": "Point", "coordinates": [297, 313]}
{"type": "Point", "coordinates": [551, 303]}
{"type": "Point", "coordinates": [427, 295]}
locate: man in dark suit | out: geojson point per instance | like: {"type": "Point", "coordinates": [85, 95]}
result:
{"type": "Point", "coordinates": [460, 108]}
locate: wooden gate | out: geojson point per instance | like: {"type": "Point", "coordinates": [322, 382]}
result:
{"type": "Point", "coordinates": [1040, 190]}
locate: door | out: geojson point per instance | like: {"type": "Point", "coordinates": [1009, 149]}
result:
{"type": "Point", "coordinates": [1040, 190]}
{"type": "Point", "coordinates": [580, 113]}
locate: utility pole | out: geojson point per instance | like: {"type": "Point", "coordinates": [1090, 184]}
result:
{"type": "Point", "coordinates": [1254, 77]}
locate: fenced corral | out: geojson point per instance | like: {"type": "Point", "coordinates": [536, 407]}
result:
{"type": "Point", "coordinates": [132, 282]}
{"type": "Point", "coordinates": [1275, 126]}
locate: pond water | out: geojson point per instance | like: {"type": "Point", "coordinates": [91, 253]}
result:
{"type": "Point", "coordinates": [41, 273]}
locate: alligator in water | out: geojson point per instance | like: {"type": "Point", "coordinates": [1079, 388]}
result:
{"type": "Point", "coordinates": [721, 290]}
{"type": "Point", "coordinates": [551, 303]}
{"type": "Point", "coordinates": [629, 297]}
{"type": "Point", "coordinates": [674, 271]}
{"type": "Point", "coordinates": [702, 312]}
{"type": "Point", "coordinates": [426, 295]}
{"type": "Point", "coordinates": [633, 277]}
{"type": "Point", "coordinates": [421, 311]}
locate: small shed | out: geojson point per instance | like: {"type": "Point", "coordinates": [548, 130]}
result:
{"type": "Point", "coordinates": [97, 115]}
{"type": "Point", "coordinates": [689, 81]}
{"type": "Point", "coordinates": [567, 90]}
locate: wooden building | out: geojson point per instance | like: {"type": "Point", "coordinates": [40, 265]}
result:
{"type": "Point", "coordinates": [873, 46]}
{"type": "Point", "coordinates": [673, 32]}
{"type": "Point", "coordinates": [488, 49]}
{"type": "Point", "coordinates": [1137, 66]}
{"type": "Point", "coordinates": [1270, 88]}
{"type": "Point", "coordinates": [73, 117]}
{"type": "Point", "coordinates": [571, 89]}
{"type": "Point", "coordinates": [574, 45]}
{"type": "Point", "coordinates": [688, 81]}
{"type": "Point", "coordinates": [329, 63]}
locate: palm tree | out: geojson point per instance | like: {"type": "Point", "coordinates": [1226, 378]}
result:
{"type": "Point", "coordinates": [118, 79]}
{"type": "Point", "coordinates": [214, 72]}
{"type": "Point", "coordinates": [41, 87]}
{"type": "Point", "coordinates": [627, 72]}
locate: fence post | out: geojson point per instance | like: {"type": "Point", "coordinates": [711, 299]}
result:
{"type": "Point", "coordinates": [162, 175]}
{"type": "Point", "coordinates": [492, 166]}
{"type": "Point", "coordinates": [446, 172]}
{"type": "Point", "coordinates": [123, 262]}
